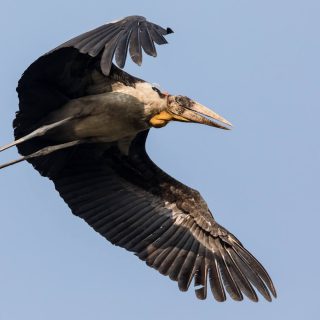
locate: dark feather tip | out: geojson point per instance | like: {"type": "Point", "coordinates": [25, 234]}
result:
{"type": "Point", "coordinates": [169, 30]}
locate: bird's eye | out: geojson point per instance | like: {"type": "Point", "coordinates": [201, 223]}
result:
{"type": "Point", "coordinates": [157, 90]}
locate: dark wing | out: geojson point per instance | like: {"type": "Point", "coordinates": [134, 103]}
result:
{"type": "Point", "coordinates": [114, 39]}
{"type": "Point", "coordinates": [135, 205]}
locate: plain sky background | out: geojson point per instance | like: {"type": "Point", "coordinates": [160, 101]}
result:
{"type": "Point", "coordinates": [254, 62]}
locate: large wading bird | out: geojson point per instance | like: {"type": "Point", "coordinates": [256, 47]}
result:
{"type": "Point", "coordinates": [83, 123]}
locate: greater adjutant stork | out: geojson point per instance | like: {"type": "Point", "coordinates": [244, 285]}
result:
{"type": "Point", "coordinates": [83, 122]}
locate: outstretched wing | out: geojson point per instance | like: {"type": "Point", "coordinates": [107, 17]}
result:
{"type": "Point", "coordinates": [114, 39]}
{"type": "Point", "coordinates": [135, 205]}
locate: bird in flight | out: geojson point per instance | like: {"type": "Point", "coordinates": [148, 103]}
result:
{"type": "Point", "coordinates": [83, 123]}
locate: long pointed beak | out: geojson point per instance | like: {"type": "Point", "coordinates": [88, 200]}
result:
{"type": "Point", "coordinates": [196, 112]}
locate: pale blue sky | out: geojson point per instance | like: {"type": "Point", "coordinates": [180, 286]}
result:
{"type": "Point", "coordinates": [256, 63]}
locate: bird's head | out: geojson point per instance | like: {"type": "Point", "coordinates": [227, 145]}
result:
{"type": "Point", "coordinates": [181, 108]}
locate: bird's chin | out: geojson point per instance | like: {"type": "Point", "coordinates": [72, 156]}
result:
{"type": "Point", "coordinates": [160, 124]}
{"type": "Point", "coordinates": [161, 119]}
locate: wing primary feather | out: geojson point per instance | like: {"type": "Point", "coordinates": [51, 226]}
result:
{"type": "Point", "coordinates": [122, 49]}
{"type": "Point", "coordinates": [241, 279]}
{"type": "Point", "coordinates": [181, 256]}
{"type": "Point", "coordinates": [100, 45]}
{"type": "Point", "coordinates": [166, 260]}
{"type": "Point", "coordinates": [107, 56]}
{"type": "Point", "coordinates": [146, 41]}
{"type": "Point", "coordinates": [201, 278]}
{"type": "Point", "coordinates": [229, 282]}
{"type": "Point", "coordinates": [164, 243]}
{"type": "Point", "coordinates": [251, 275]}
{"type": "Point", "coordinates": [251, 260]}
{"type": "Point", "coordinates": [199, 258]}
{"type": "Point", "coordinates": [159, 29]}
{"type": "Point", "coordinates": [174, 272]}
{"type": "Point", "coordinates": [177, 246]}
{"type": "Point", "coordinates": [156, 37]}
{"type": "Point", "coordinates": [163, 236]}
{"type": "Point", "coordinates": [140, 246]}
{"type": "Point", "coordinates": [135, 45]}
{"type": "Point", "coordinates": [186, 273]}
{"type": "Point", "coordinates": [215, 279]}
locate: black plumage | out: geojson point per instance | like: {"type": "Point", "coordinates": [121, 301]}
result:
{"type": "Point", "coordinates": [124, 196]}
